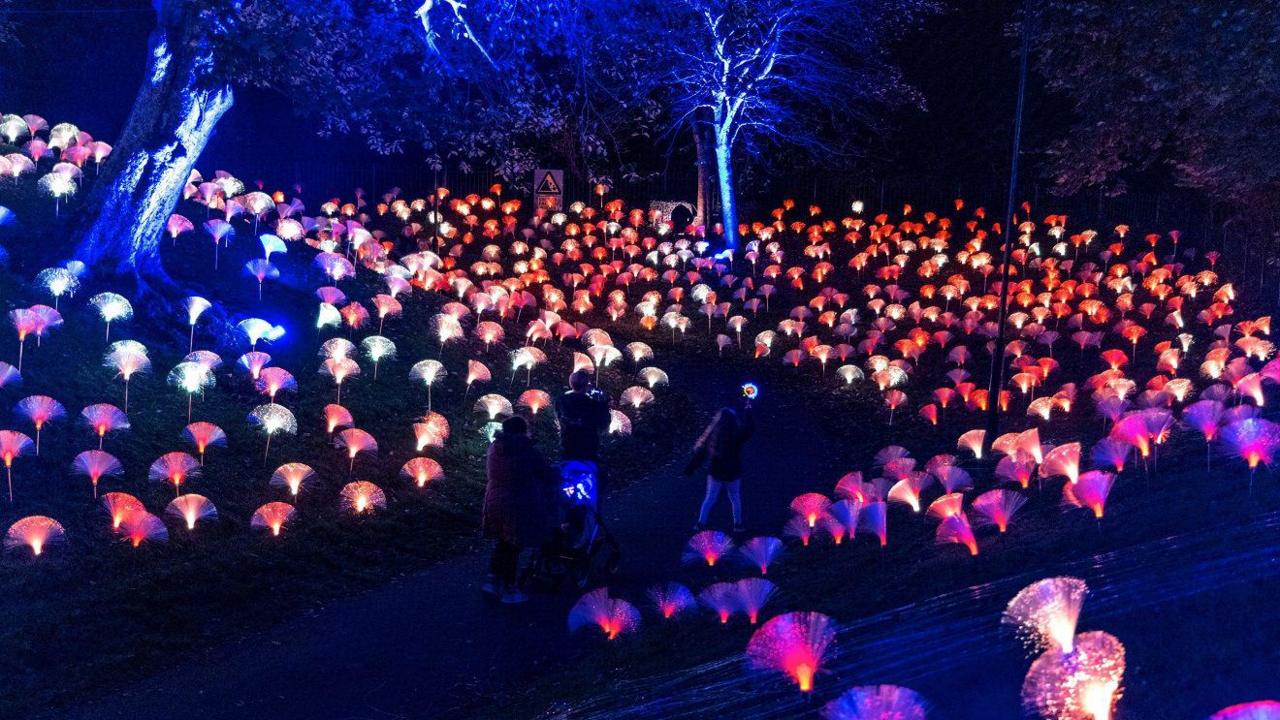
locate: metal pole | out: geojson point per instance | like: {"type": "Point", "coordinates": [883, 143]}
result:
{"type": "Point", "coordinates": [996, 379]}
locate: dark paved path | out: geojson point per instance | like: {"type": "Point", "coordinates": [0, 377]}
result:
{"type": "Point", "coordinates": [421, 645]}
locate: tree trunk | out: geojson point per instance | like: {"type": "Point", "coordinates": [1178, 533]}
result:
{"type": "Point", "coordinates": [728, 203]}
{"type": "Point", "coordinates": [703, 145]}
{"type": "Point", "coordinates": [177, 107]}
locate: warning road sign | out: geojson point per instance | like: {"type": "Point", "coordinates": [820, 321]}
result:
{"type": "Point", "coordinates": [548, 188]}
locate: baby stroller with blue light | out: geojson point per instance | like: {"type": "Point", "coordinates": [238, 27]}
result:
{"type": "Point", "coordinates": [581, 550]}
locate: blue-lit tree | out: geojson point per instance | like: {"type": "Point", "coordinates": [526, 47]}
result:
{"type": "Point", "coordinates": [198, 54]}
{"type": "Point", "coordinates": [756, 74]}
{"type": "Point", "coordinates": [480, 81]}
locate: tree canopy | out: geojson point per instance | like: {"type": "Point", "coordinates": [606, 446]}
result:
{"type": "Point", "coordinates": [1183, 87]}
{"type": "Point", "coordinates": [496, 81]}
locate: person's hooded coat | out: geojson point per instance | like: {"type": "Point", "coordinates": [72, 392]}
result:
{"type": "Point", "coordinates": [519, 496]}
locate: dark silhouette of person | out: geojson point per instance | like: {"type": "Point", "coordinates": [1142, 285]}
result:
{"type": "Point", "coordinates": [583, 415]}
{"type": "Point", "coordinates": [519, 504]}
{"type": "Point", "coordinates": [720, 447]}
{"type": "Point", "coordinates": [681, 217]}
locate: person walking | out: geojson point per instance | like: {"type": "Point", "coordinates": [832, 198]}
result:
{"type": "Point", "coordinates": [519, 505]}
{"type": "Point", "coordinates": [720, 447]}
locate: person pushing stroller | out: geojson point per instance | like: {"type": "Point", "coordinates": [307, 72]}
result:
{"type": "Point", "coordinates": [582, 414]}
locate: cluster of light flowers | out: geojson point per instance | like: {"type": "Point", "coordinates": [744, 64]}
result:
{"type": "Point", "coordinates": [877, 298]}
{"type": "Point", "coordinates": [1076, 677]}
{"type": "Point", "coordinates": [344, 246]}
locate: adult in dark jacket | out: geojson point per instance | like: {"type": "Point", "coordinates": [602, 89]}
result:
{"type": "Point", "coordinates": [519, 503]}
{"type": "Point", "coordinates": [720, 446]}
{"type": "Point", "coordinates": [583, 416]}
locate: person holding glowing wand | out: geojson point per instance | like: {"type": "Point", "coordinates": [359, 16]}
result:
{"type": "Point", "coordinates": [720, 447]}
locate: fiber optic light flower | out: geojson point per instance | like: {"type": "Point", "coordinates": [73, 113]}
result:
{"type": "Point", "coordinates": [1259, 710]}
{"type": "Point", "coordinates": [95, 465]}
{"type": "Point", "coordinates": [671, 599]}
{"type": "Point", "coordinates": [877, 702]}
{"type": "Point", "coordinates": [273, 420]}
{"type": "Point", "coordinates": [1044, 613]}
{"type": "Point", "coordinates": [57, 186]}
{"type": "Point", "coordinates": [191, 509]}
{"type": "Point", "coordinates": [40, 410]}
{"type": "Point", "coordinates": [708, 547]}
{"type": "Point", "coordinates": [103, 418]}
{"type": "Point", "coordinates": [361, 497]}
{"type": "Point", "coordinates": [292, 476]}
{"type": "Point", "coordinates": [1083, 684]}
{"type": "Point", "coordinates": [58, 281]}
{"type": "Point", "coordinates": [111, 307]}
{"type": "Point", "coordinates": [175, 468]}
{"type": "Point", "coordinates": [191, 377]}
{"type": "Point", "coordinates": [795, 644]}
{"type": "Point", "coordinates": [257, 329]}
{"type": "Point", "coordinates": [421, 471]}
{"type": "Point", "coordinates": [127, 358]}
{"type": "Point", "coordinates": [273, 516]}
{"type": "Point", "coordinates": [614, 617]}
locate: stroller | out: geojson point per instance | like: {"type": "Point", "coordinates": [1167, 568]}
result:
{"type": "Point", "coordinates": [581, 550]}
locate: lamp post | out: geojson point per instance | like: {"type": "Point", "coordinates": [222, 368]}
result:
{"type": "Point", "coordinates": [996, 378]}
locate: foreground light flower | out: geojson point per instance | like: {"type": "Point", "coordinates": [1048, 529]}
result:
{"type": "Point", "coordinates": [174, 468]}
{"type": "Point", "coordinates": [362, 496]}
{"type": "Point", "coordinates": [427, 372]}
{"type": "Point", "coordinates": [708, 546]}
{"type": "Point", "coordinates": [340, 369]}
{"type": "Point", "coordinates": [119, 506]}
{"type": "Point", "coordinates": [191, 377]}
{"type": "Point", "coordinates": [57, 186]}
{"type": "Point", "coordinates": [795, 644]}
{"type": "Point", "coordinates": [877, 702]}
{"type": "Point", "coordinates": [671, 599]}
{"type": "Point", "coordinates": [141, 526]}
{"type": "Point", "coordinates": [377, 349]}
{"type": "Point", "coordinates": [95, 465]}
{"type": "Point", "coordinates": [127, 357]}
{"type": "Point", "coordinates": [204, 435]}
{"type": "Point", "coordinates": [195, 307]}
{"type": "Point", "coordinates": [191, 509]}
{"type": "Point", "coordinates": [273, 419]}
{"type": "Point", "coordinates": [104, 418]}
{"type": "Point", "coordinates": [34, 531]}
{"type": "Point", "coordinates": [273, 516]}
{"type": "Point", "coordinates": [111, 307]}
{"type": "Point", "coordinates": [40, 410]}
{"type": "Point", "coordinates": [58, 281]}
{"type": "Point", "coordinates": [1044, 613]}
{"type": "Point", "coordinates": [760, 552]}
{"type": "Point", "coordinates": [422, 470]}
{"type": "Point", "coordinates": [292, 476]}
{"type": "Point", "coordinates": [13, 444]}
{"type": "Point", "coordinates": [614, 617]}
{"type": "Point", "coordinates": [1083, 684]}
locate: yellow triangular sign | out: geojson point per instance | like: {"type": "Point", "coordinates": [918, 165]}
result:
{"type": "Point", "coordinates": [548, 185]}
